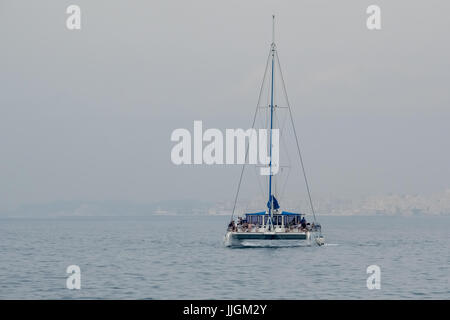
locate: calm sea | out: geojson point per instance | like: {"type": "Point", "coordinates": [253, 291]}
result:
{"type": "Point", "coordinates": [183, 257]}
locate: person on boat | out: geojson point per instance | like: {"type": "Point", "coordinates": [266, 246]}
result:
{"type": "Point", "coordinates": [303, 223]}
{"type": "Point", "coordinates": [231, 226]}
{"type": "Point", "coordinates": [292, 224]}
{"type": "Point", "coordinates": [244, 225]}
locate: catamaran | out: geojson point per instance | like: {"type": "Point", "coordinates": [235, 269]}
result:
{"type": "Point", "coordinates": [273, 223]}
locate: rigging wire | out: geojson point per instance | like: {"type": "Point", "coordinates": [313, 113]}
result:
{"type": "Point", "coordinates": [282, 136]}
{"type": "Point", "coordinates": [259, 181]}
{"type": "Point", "coordinates": [253, 125]}
{"type": "Point", "coordinates": [296, 140]}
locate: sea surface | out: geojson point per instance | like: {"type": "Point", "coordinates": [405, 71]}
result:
{"type": "Point", "coordinates": [183, 257]}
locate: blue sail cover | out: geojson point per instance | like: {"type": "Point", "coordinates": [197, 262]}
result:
{"type": "Point", "coordinates": [275, 203]}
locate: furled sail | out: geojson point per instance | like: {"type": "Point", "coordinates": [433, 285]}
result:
{"type": "Point", "coordinates": [275, 203]}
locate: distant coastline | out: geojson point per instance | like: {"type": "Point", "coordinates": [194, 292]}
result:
{"type": "Point", "coordinates": [436, 204]}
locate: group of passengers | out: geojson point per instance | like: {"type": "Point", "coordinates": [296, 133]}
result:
{"type": "Point", "coordinates": [243, 226]}
{"type": "Point", "coordinates": [302, 225]}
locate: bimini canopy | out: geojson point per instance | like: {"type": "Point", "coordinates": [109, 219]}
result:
{"type": "Point", "coordinates": [283, 213]}
{"type": "Point", "coordinates": [256, 213]}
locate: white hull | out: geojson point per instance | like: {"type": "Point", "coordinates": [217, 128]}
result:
{"type": "Point", "coordinates": [236, 238]}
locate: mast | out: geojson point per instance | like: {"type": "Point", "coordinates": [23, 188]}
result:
{"type": "Point", "coordinates": [271, 124]}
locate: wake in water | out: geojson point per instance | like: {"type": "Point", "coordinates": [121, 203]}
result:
{"type": "Point", "coordinates": [277, 244]}
{"type": "Point", "coordinates": [270, 244]}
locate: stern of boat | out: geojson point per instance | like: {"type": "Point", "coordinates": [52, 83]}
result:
{"type": "Point", "coordinates": [230, 240]}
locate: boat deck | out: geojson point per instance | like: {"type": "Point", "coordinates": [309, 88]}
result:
{"type": "Point", "coordinates": [270, 235]}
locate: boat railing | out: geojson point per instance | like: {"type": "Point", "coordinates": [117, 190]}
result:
{"type": "Point", "coordinates": [278, 229]}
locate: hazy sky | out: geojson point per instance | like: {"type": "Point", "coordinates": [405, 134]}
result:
{"type": "Point", "coordinates": [87, 115]}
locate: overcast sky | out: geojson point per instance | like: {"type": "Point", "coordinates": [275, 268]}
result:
{"type": "Point", "coordinates": [88, 114]}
